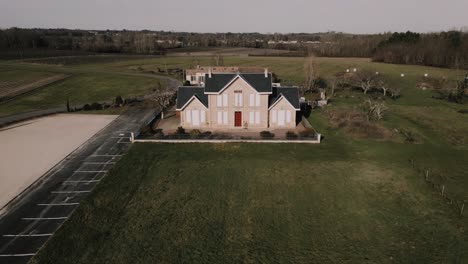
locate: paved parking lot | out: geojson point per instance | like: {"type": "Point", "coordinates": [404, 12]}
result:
{"type": "Point", "coordinates": [29, 149]}
{"type": "Point", "coordinates": [32, 219]}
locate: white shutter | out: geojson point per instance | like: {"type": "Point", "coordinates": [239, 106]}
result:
{"type": "Point", "coordinates": [281, 118]}
{"type": "Point", "coordinates": [251, 99]}
{"type": "Point", "coordinates": [257, 117]}
{"type": "Point", "coordinates": [273, 116]}
{"type": "Point", "coordinates": [257, 100]}
{"type": "Point", "coordinates": [188, 116]}
{"type": "Point", "coordinates": [251, 117]}
{"type": "Point", "coordinates": [225, 118]}
{"type": "Point", "coordinates": [219, 101]}
{"type": "Point", "coordinates": [240, 99]}
{"type": "Point", "coordinates": [220, 118]}
{"type": "Point", "coordinates": [236, 99]}
{"type": "Point", "coordinates": [195, 117]}
{"type": "Point", "coordinates": [203, 117]}
{"type": "Point", "coordinates": [288, 116]}
{"type": "Point", "coordinates": [225, 100]}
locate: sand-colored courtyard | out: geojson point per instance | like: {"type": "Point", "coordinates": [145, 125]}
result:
{"type": "Point", "coordinates": [31, 148]}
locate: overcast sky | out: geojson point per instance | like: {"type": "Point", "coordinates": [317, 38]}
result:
{"type": "Point", "coordinates": [353, 16]}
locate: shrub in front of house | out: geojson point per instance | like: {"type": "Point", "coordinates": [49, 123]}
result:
{"type": "Point", "coordinates": [180, 131]}
{"type": "Point", "coordinates": [195, 133]}
{"type": "Point", "coordinates": [291, 135]}
{"type": "Point", "coordinates": [266, 134]}
{"type": "Point", "coordinates": [205, 134]}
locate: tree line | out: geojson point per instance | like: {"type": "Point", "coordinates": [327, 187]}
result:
{"type": "Point", "coordinates": [444, 49]}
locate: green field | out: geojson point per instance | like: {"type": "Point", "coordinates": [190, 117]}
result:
{"type": "Point", "coordinates": [339, 202]}
{"type": "Point", "coordinates": [352, 199]}
{"type": "Point", "coordinates": [84, 86]}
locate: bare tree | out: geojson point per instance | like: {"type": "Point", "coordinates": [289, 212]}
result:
{"type": "Point", "coordinates": [218, 59]}
{"type": "Point", "coordinates": [395, 93]}
{"type": "Point", "coordinates": [383, 85]}
{"type": "Point", "coordinates": [309, 73]}
{"type": "Point", "coordinates": [163, 99]}
{"type": "Point", "coordinates": [374, 110]}
{"type": "Point", "coordinates": [336, 82]}
{"type": "Point", "coordinates": [365, 80]}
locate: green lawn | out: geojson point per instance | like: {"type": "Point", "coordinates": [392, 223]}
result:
{"type": "Point", "coordinates": [347, 200]}
{"type": "Point", "coordinates": [331, 203]}
{"type": "Point", "coordinates": [80, 89]}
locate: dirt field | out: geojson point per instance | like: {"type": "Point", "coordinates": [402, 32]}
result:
{"type": "Point", "coordinates": [31, 148]}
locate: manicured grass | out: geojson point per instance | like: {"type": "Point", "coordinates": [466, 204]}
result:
{"type": "Point", "coordinates": [80, 89]}
{"type": "Point", "coordinates": [337, 202]}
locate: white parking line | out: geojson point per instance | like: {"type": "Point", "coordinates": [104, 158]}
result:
{"type": "Point", "coordinates": [18, 255]}
{"type": "Point", "coordinates": [70, 191]}
{"type": "Point", "coordinates": [44, 218]}
{"type": "Point", "coordinates": [99, 163]}
{"type": "Point", "coordinates": [104, 155]}
{"type": "Point", "coordinates": [57, 204]}
{"type": "Point", "coordinates": [91, 171]}
{"type": "Point", "coordinates": [90, 181]}
{"type": "Point", "coordinates": [30, 235]}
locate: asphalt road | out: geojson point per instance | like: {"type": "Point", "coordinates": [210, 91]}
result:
{"type": "Point", "coordinates": [32, 218]}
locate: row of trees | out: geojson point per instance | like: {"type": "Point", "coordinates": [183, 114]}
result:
{"type": "Point", "coordinates": [446, 49]}
{"type": "Point", "coordinates": [365, 80]}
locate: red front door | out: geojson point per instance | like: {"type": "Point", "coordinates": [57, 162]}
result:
{"type": "Point", "coordinates": [237, 119]}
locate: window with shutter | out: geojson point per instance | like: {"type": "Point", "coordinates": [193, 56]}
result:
{"type": "Point", "coordinates": [257, 117]}
{"type": "Point", "coordinates": [288, 116]}
{"type": "Point", "coordinates": [251, 99]}
{"type": "Point", "coordinates": [219, 101]}
{"type": "Point", "coordinates": [251, 117]}
{"type": "Point", "coordinates": [203, 117]}
{"type": "Point", "coordinates": [257, 100]}
{"type": "Point", "coordinates": [220, 117]}
{"type": "Point", "coordinates": [225, 117]}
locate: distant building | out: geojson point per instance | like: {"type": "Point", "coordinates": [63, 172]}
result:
{"type": "Point", "coordinates": [234, 98]}
{"type": "Point", "coordinates": [197, 76]}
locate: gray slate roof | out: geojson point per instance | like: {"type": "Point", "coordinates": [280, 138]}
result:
{"type": "Point", "coordinates": [186, 92]}
{"type": "Point", "coordinates": [290, 93]}
{"type": "Point", "coordinates": [218, 81]}
{"type": "Point", "coordinates": [256, 80]}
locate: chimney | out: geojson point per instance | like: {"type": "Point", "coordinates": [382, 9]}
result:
{"type": "Point", "coordinates": [209, 72]}
{"type": "Point", "coordinates": [266, 72]}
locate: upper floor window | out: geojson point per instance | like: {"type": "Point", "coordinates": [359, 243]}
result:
{"type": "Point", "coordinates": [193, 78]}
{"type": "Point", "coordinates": [254, 100]}
{"type": "Point", "coordinates": [222, 100]}
{"type": "Point", "coordinates": [202, 78]}
{"type": "Point", "coordinates": [238, 98]}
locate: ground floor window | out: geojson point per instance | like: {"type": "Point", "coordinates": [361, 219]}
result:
{"type": "Point", "coordinates": [195, 117]}
{"type": "Point", "coordinates": [222, 117]}
{"type": "Point", "coordinates": [254, 117]}
{"type": "Point", "coordinates": [280, 117]}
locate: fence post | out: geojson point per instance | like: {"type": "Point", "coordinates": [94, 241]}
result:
{"type": "Point", "coordinates": [463, 207]}
{"type": "Point", "coordinates": [132, 137]}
